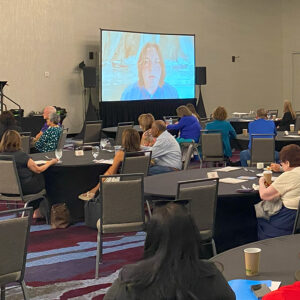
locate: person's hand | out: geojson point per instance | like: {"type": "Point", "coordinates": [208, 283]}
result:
{"type": "Point", "coordinates": [261, 180]}
{"type": "Point", "coordinates": [53, 161]}
{"type": "Point", "coordinates": [275, 167]}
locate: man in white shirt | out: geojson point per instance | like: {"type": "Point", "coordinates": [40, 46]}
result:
{"type": "Point", "coordinates": [165, 152]}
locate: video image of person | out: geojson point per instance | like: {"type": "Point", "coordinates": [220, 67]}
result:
{"type": "Point", "coordinates": [145, 66]}
{"type": "Point", "coordinates": [151, 76]}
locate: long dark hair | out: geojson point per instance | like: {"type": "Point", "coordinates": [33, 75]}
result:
{"type": "Point", "coordinates": [7, 118]}
{"type": "Point", "coordinates": [171, 257]}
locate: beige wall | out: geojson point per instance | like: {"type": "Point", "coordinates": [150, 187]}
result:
{"type": "Point", "coordinates": [291, 44]}
{"type": "Point", "coordinates": [55, 35]}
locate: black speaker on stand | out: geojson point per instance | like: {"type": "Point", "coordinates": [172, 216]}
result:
{"type": "Point", "coordinates": [89, 81]}
{"type": "Point", "coordinates": [200, 79]}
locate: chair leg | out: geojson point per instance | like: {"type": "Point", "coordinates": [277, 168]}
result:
{"type": "Point", "coordinates": [98, 254]}
{"type": "Point", "coordinates": [24, 290]}
{"type": "Point", "coordinates": [2, 292]}
{"type": "Point", "coordinates": [149, 209]}
{"type": "Point", "coordinates": [213, 246]}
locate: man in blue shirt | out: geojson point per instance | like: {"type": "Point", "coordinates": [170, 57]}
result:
{"type": "Point", "coordinates": [259, 126]}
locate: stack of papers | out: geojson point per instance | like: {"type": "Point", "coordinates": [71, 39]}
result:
{"type": "Point", "coordinates": [40, 162]}
{"type": "Point", "coordinates": [228, 169]}
{"type": "Point", "coordinates": [104, 161]}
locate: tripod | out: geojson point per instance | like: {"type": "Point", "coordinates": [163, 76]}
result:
{"type": "Point", "coordinates": [2, 104]}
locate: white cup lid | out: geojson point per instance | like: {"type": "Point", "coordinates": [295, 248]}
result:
{"type": "Point", "coordinates": [252, 250]}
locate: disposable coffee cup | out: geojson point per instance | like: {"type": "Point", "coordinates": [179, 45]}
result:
{"type": "Point", "coordinates": [117, 148]}
{"type": "Point", "coordinates": [252, 257]}
{"type": "Point", "coordinates": [245, 132]}
{"type": "Point", "coordinates": [274, 117]}
{"type": "Point", "coordinates": [299, 132]}
{"type": "Point", "coordinates": [292, 127]}
{"type": "Point", "coordinates": [268, 177]}
{"type": "Point", "coordinates": [260, 165]}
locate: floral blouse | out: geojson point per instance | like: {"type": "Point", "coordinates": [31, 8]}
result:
{"type": "Point", "coordinates": [49, 139]}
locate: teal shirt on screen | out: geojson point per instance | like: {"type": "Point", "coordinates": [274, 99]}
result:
{"type": "Point", "coordinates": [227, 133]}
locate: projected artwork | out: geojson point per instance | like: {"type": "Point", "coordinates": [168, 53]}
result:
{"type": "Point", "coordinates": [142, 66]}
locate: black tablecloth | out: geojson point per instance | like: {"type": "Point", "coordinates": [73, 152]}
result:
{"type": "Point", "coordinates": [279, 260]}
{"type": "Point", "coordinates": [235, 222]}
{"type": "Point", "coordinates": [75, 175]}
{"type": "Point", "coordinates": [280, 140]}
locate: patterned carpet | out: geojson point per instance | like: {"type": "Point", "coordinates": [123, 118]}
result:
{"type": "Point", "coordinates": [61, 263]}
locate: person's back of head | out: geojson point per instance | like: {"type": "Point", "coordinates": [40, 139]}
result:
{"type": "Point", "coordinates": [170, 267]}
{"type": "Point", "coordinates": [7, 118]}
{"type": "Point", "coordinates": [54, 118]}
{"type": "Point", "coordinates": [131, 140]}
{"type": "Point", "coordinates": [158, 127]}
{"type": "Point", "coordinates": [183, 111]}
{"type": "Point", "coordinates": [146, 121]}
{"type": "Point", "coordinates": [10, 142]}
{"type": "Point", "coordinates": [220, 113]}
{"type": "Point", "coordinates": [261, 113]}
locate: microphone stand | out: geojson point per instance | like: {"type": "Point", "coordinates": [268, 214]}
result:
{"type": "Point", "coordinates": [2, 84]}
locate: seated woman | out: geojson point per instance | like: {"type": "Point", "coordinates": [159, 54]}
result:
{"type": "Point", "coordinates": [220, 124]}
{"type": "Point", "coordinates": [171, 268]}
{"type": "Point", "coordinates": [31, 180]}
{"type": "Point", "coordinates": [188, 125]}
{"type": "Point", "coordinates": [288, 118]}
{"type": "Point", "coordinates": [49, 139]}
{"type": "Point", "coordinates": [8, 122]}
{"type": "Point", "coordinates": [286, 188]}
{"type": "Point", "coordinates": [191, 107]}
{"type": "Point", "coordinates": [130, 143]}
{"type": "Point", "coordinates": [145, 122]}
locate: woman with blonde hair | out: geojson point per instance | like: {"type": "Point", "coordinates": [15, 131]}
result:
{"type": "Point", "coordinates": [219, 123]}
{"type": "Point", "coordinates": [188, 125]}
{"type": "Point", "coordinates": [130, 143]}
{"type": "Point", "coordinates": [145, 122]}
{"type": "Point", "coordinates": [288, 118]}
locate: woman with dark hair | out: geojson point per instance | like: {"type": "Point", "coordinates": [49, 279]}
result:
{"type": "Point", "coordinates": [220, 124]}
{"type": "Point", "coordinates": [31, 180]}
{"type": "Point", "coordinates": [171, 268]}
{"type": "Point", "coordinates": [286, 189]}
{"type": "Point", "coordinates": [8, 122]}
{"type": "Point", "coordinates": [130, 143]}
{"type": "Point", "coordinates": [188, 126]}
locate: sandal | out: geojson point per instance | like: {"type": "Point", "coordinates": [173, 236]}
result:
{"type": "Point", "coordinates": [87, 196]}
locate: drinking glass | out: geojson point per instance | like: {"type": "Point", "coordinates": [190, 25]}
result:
{"type": "Point", "coordinates": [58, 154]}
{"type": "Point", "coordinates": [95, 152]}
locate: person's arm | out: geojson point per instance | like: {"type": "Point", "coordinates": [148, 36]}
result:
{"type": "Point", "coordinates": [267, 193]}
{"type": "Point", "coordinates": [232, 132]}
{"type": "Point", "coordinates": [176, 126]}
{"type": "Point", "coordinates": [39, 169]}
{"type": "Point", "coordinates": [113, 169]}
{"type": "Point", "coordinates": [37, 137]}
{"type": "Point", "coordinates": [42, 140]}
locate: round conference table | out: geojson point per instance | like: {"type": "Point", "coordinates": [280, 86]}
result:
{"type": "Point", "coordinates": [280, 259]}
{"type": "Point", "coordinates": [281, 140]}
{"type": "Point", "coordinates": [235, 222]}
{"type": "Point", "coordinates": [75, 175]}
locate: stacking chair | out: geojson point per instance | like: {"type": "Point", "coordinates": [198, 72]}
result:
{"type": "Point", "coordinates": [25, 141]}
{"type": "Point", "coordinates": [297, 221]}
{"type": "Point", "coordinates": [212, 146]}
{"type": "Point", "coordinates": [297, 123]}
{"type": "Point", "coordinates": [262, 148]}
{"type": "Point", "coordinates": [187, 149]}
{"type": "Point", "coordinates": [62, 138]}
{"type": "Point", "coordinates": [121, 127]}
{"type": "Point", "coordinates": [122, 208]}
{"type": "Point", "coordinates": [92, 133]}
{"type": "Point", "coordinates": [297, 112]}
{"type": "Point", "coordinates": [10, 187]}
{"type": "Point", "coordinates": [136, 162]}
{"type": "Point", "coordinates": [203, 193]}
{"type": "Point", "coordinates": [14, 232]}
{"type": "Point", "coordinates": [272, 112]}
